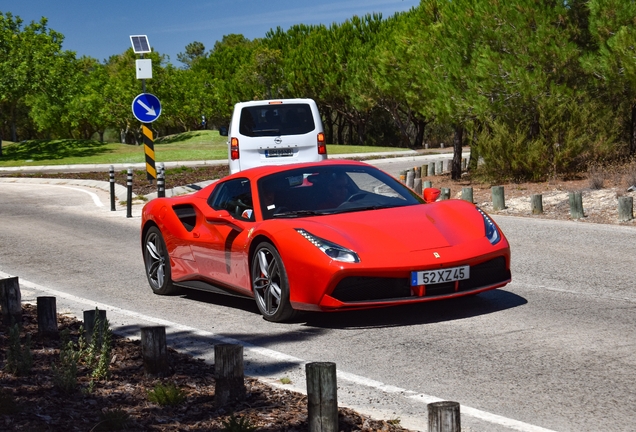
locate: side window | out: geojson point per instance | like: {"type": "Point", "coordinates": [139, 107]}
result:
{"type": "Point", "coordinates": [235, 196]}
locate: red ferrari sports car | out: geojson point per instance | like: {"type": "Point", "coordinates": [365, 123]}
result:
{"type": "Point", "coordinates": [324, 236]}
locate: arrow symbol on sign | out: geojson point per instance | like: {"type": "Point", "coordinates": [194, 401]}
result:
{"type": "Point", "coordinates": [149, 110]}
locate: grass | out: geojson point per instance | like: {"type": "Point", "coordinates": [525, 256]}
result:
{"type": "Point", "coordinates": [188, 146]}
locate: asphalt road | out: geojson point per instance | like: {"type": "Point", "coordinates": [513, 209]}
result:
{"type": "Point", "coordinates": [554, 350]}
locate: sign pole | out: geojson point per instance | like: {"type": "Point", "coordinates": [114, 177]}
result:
{"type": "Point", "coordinates": [145, 107]}
{"type": "Point", "coordinates": [149, 150]}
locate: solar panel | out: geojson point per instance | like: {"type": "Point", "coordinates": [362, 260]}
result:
{"type": "Point", "coordinates": [140, 44]}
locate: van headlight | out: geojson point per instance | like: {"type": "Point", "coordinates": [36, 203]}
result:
{"type": "Point", "coordinates": [332, 250]}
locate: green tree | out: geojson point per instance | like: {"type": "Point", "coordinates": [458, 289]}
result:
{"type": "Point", "coordinates": [405, 99]}
{"type": "Point", "coordinates": [28, 55]}
{"type": "Point", "coordinates": [184, 90]}
{"type": "Point", "coordinates": [193, 52]}
{"type": "Point", "coordinates": [223, 84]}
{"type": "Point", "coordinates": [612, 24]}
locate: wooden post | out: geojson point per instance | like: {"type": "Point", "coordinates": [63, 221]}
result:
{"type": "Point", "coordinates": [417, 172]}
{"type": "Point", "coordinates": [11, 301]}
{"type": "Point", "coordinates": [410, 177]}
{"type": "Point", "coordinates": [625, 208]}
{"type": "Point", "coordinates": [498, 200]}
{"type": "Point", "coordinates": [90, 319]}
{"type": "Point", "coordinates": [403, 176]}
{"type": "Point", "coordinates": [424, 170]}
{"type": "Point", "coordinates": [230, 381]}
{"type": "Point", "coordinates": [445, 194]}
{"type": "Point", "coordinates": [417, 186]}
{"type": "Point", "coordinates": [464, 164]}
{"type": "Point", "coordinates": [536, 203]}
{"type": "Point", "coordinates": [322, 397]}
{"type": "Point", "coordinates": [440, 167]}
{"type": "Point", "coordinates": [47, 317]}
{"type": "Point", "coordinates": [154, 350]}
{"type": "Point", "coordinates": [467, 194]}
{"type": "Point", "coordinates": [444, 417]}
{"type": "Point", "coordinates": [576, 205]}
{"type": "Point", "coordinates": [427, 184]}
{"type": "Point", "coordinates": [431, 169]}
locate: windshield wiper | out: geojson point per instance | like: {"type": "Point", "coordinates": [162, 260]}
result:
{"type": "Point", "coordinates": [297, 213]}
{"type": "Point", "coordinates": [371, 207]}
{"type": "Point", "coordinates": [266, 131]}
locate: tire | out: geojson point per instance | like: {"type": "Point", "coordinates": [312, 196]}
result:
{"type": "Point", "coordinates": [157, 263]}
{"type": "Point", "coordinates": [270, 284]}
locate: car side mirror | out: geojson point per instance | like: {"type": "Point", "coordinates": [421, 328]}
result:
{"type": "Point", "coordinates": [223, 217]}
{"type": "Point", "coordinates": [431, 194]}
{"type": "Point", "coordinates": [223, 131]}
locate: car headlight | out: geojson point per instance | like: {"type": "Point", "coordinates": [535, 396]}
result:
{"type": "Point", "coordinates": [330, 249]}
{"type": "Point", "coordinates": [492, 233]}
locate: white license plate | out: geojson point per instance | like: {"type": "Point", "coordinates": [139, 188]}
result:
{"type": "Point", "coordinates": [431, 277]}
{"type": "Point", "coordinates": [279, 152]}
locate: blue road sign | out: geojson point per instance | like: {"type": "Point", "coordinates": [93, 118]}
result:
{"type": "Point", "coordinates": [146, 108]}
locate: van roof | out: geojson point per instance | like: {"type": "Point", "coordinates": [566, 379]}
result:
{"type": "Point", "coordinates": [275, 101]}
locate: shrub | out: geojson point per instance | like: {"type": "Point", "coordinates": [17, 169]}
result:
{"type": "Point", "coordinates": [65, 372]}
{"type": "Point", "coordinates": [596, 177]}
{"type": "Point", "coordinates": [168, 394]}
{"type": "Point", "coordinates": [238, 425]}
{"type": "Point", "coordinates": [19, 358]}
{"type": "Point", "coordinates": [562, 137]}
{"type": "Point", "coordinates": [112, 420]}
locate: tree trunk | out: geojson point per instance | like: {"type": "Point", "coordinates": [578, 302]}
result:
{"type": "Point", "coordinates": [456, 169]}
{"type": "Point", "coordinates": [14, 133]}
{"type": "Point", "coordinates": [419, 136]}
{"type": "Point", "coordinates": [632, 135]}
{"type": "Point", "coordinates": [329, 121]}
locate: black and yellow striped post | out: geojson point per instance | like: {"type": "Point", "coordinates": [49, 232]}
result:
{"type": "Point", "coordinates": [149, 149]}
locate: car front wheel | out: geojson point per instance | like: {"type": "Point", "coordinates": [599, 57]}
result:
{"type": "Point", "coordinates": [270, 284]}
{"type": "Point", "coordinates": [157, 263]}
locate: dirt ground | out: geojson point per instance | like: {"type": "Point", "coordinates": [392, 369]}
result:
{"type": "Point", "coordinates": [600, 205]}
{"type": "Point", "coordinates": [33, 402]}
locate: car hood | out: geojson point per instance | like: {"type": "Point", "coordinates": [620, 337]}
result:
{"type": "Point", "coordinates": [412, 228]}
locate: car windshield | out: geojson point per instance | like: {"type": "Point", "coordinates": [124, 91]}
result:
{"type": "Point", "coordinates": [276, 120]}
{"type": "Point", "coordinates": [320, 190]}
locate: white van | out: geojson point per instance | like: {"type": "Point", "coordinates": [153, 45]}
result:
{"type": "Point", "coordinates": [274, 132]}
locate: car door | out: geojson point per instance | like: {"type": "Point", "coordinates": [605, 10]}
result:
{"type": "Point", "coordinates": [220, 250]}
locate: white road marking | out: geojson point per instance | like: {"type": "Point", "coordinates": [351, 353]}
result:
{"type": "Point", "coordinates": [94, 196]}
{"type": "Point", "coordinates": [275, 355]}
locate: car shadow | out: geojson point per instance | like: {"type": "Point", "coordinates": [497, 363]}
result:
{"type": "Point", "coordinates": [394, 316]}
{"type": "Point", "coordinates": [419, 314]}
{"type": "Point", "coordinates": [236, 302]}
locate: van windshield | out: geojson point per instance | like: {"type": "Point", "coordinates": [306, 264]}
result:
{"type": "Point", "coordinates": [276, 120]}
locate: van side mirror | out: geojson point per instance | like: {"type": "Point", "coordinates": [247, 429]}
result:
{"type": "Point", "coordinates": [223, 131]}
{"type": "Point", "coordinates": [431, 194]}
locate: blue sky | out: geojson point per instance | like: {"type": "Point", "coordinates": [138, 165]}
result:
{"type": "Point", "coordinates": [101, 29]}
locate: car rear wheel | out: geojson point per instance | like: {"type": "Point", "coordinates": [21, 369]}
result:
{"type": "Point", "coordinates": [157, 263]}
{"type": "Point", "coordinates": [270, 284]}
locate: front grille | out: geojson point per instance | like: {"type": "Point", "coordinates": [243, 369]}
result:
{"type": "Point", "coordinates": [484, 274]}
{"type": "Point", "coordinates": [371, 288]}
{"type": "Point", "coordinates": [360, 289]}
